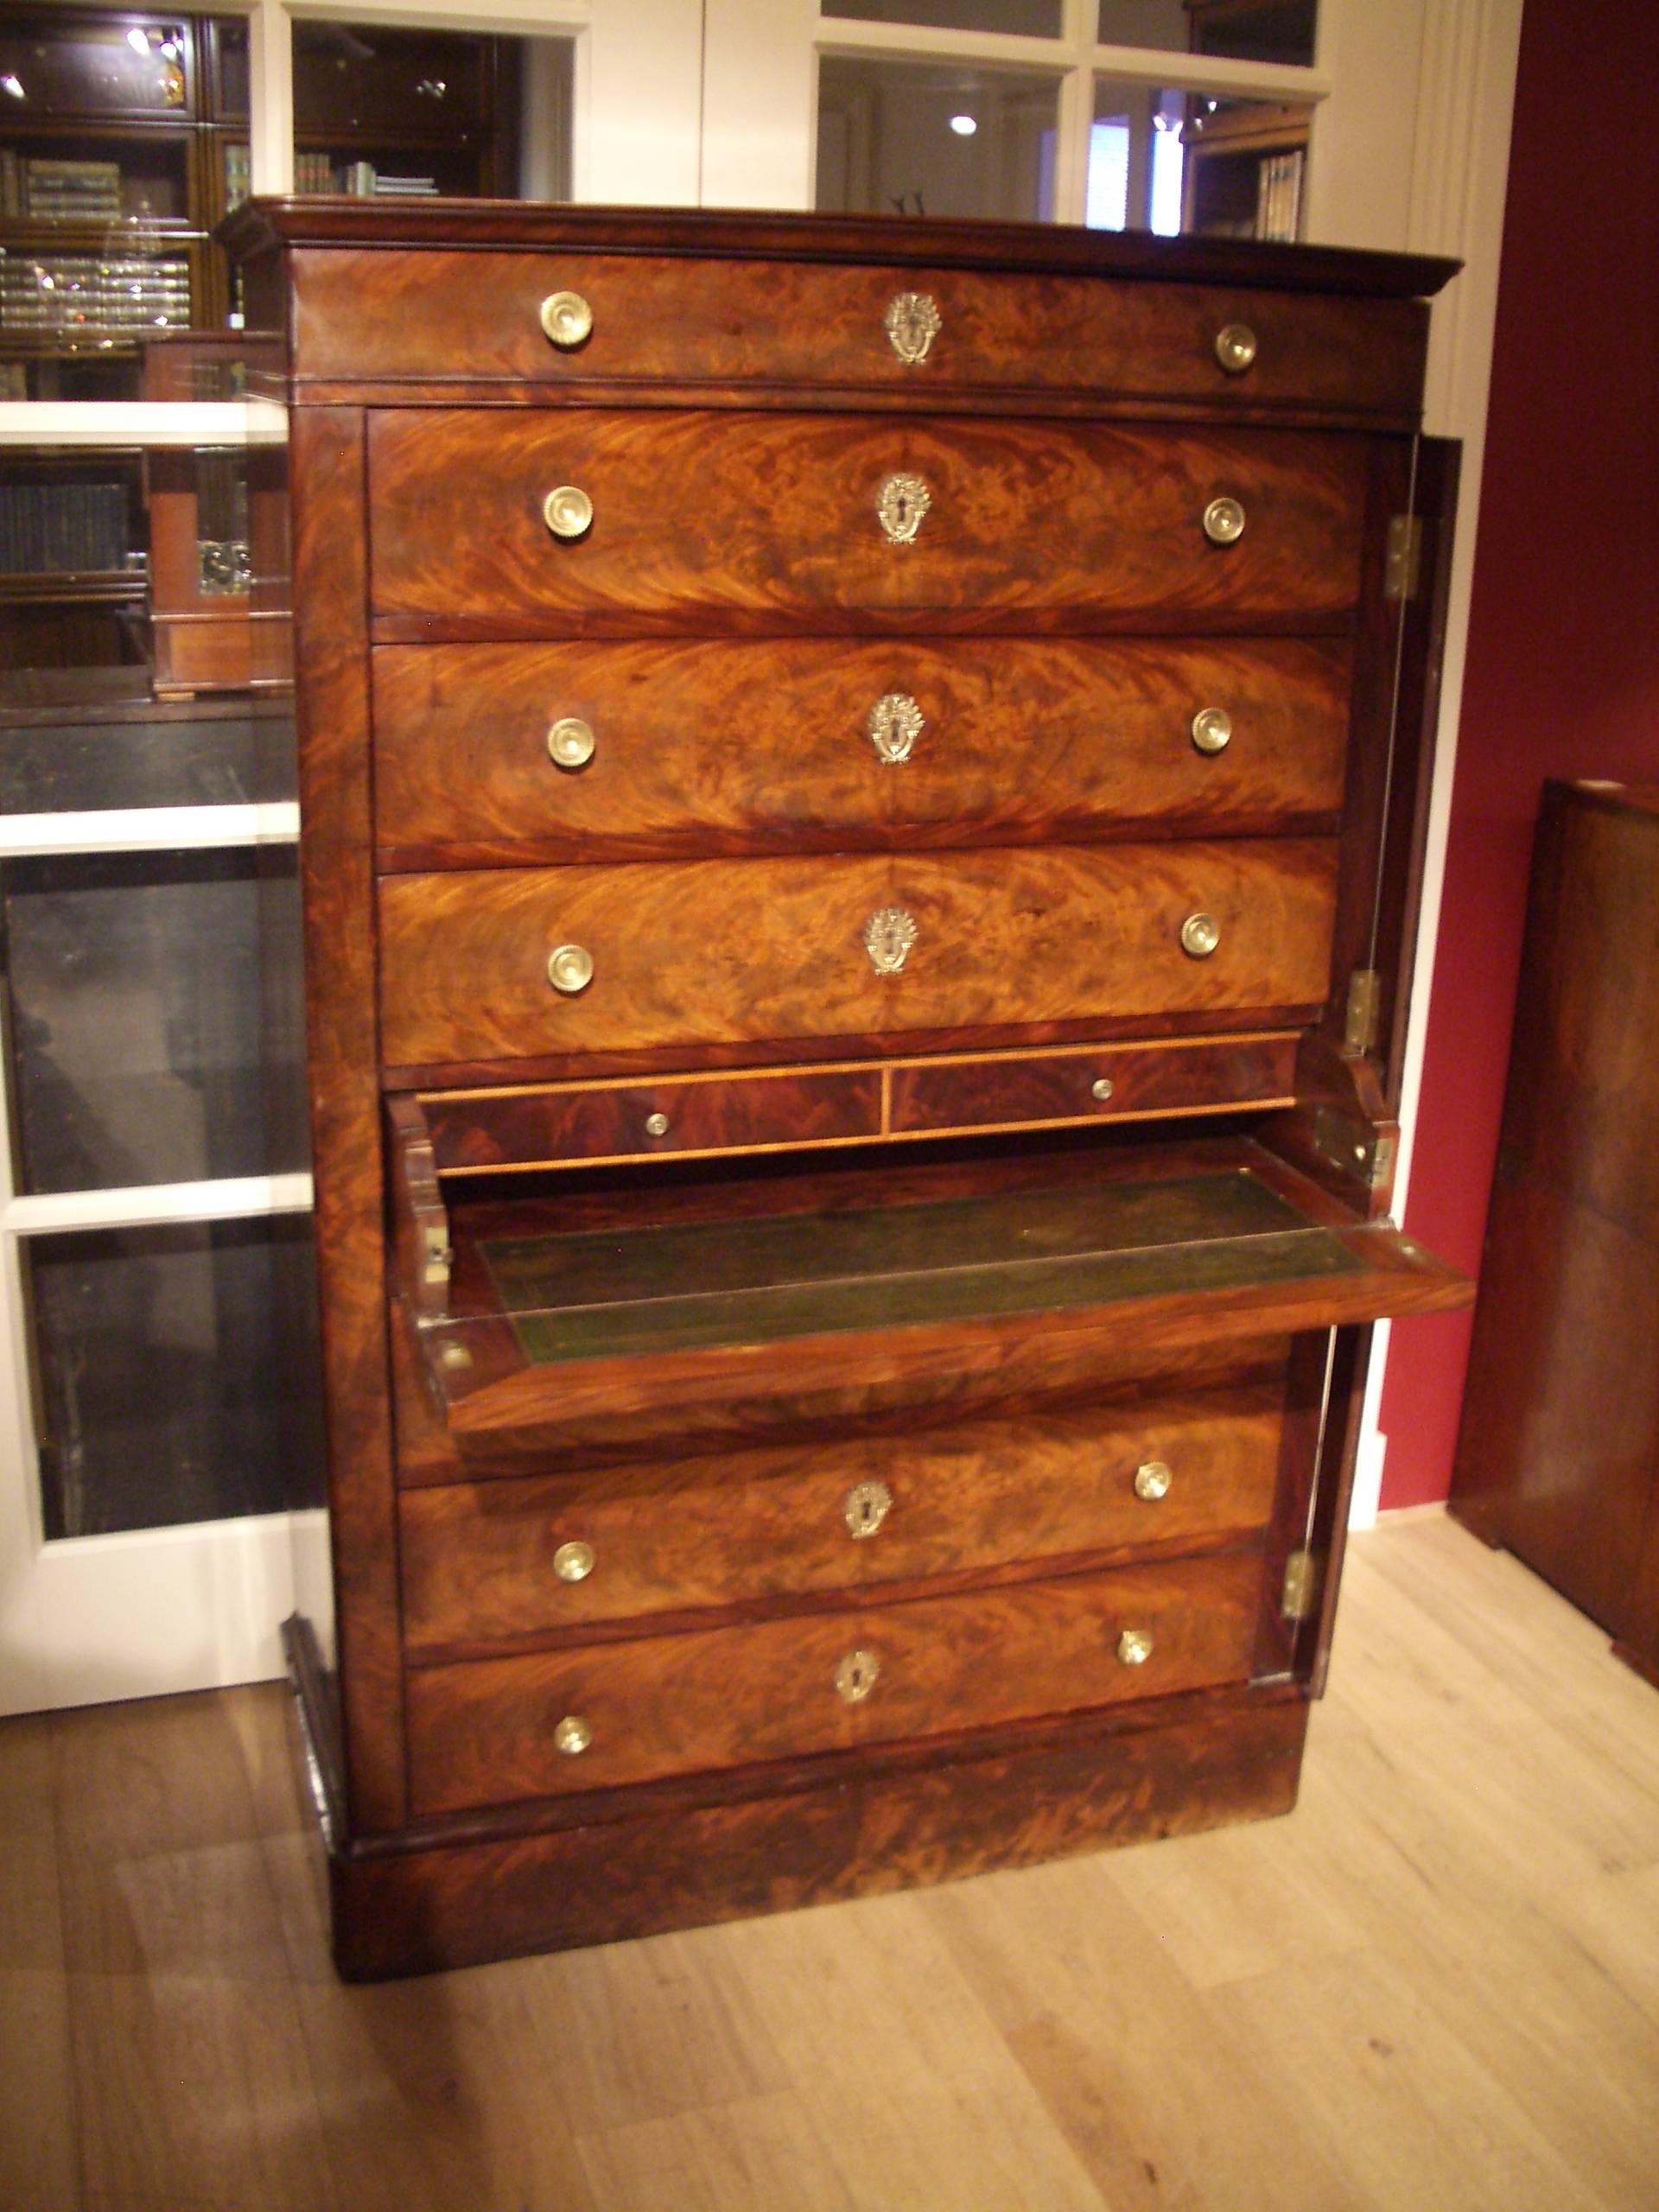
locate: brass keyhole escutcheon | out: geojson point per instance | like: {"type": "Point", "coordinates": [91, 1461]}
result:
{"type": "Point", "coordinates": [894, 723]}
{"type": "Point", "coordinates": [572, 1736]}
{"type": "Point", "coordinates": [1152, 1480]}
{"type": "Point", "coordinates": [567, 511]}
{"type": "Point", "coordinates": [570, 742]}
{"type": "Point", "coordinates": [1200, 935]}
{"type": "Point", "coordinates": [900, 505]}
{"type": "Point", "coordinates": [866, 1507]}
{"type": "Point", "coordinates": [573, 1562]}
{"type": "Point", "coordinates": [1134, 1647]}
{"type": "Point", "coordinates": [1213, 727]}
{"type": "Point", "coordinates": [1235, 347]}
{"type": "Point", "coordinates": [569, 968]}
{"type": "Point", "coordinates": [567, 320]}
{"type": "Point", "coordinates": [912, 322]}
{"type": "Point", "coordinates": [855, 1676]}
{"type": "Point", "coordinates": [1224, 522]}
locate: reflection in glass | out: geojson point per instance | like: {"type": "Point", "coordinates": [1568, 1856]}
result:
{"type": "Point", "coordinates": [177, 1372]}
{"type": "Point", "coordinates": [936, 138]}
{"type": "Point", "coordinates": [1026, 18]}
{"type": "Point", "coordinates": [85, 755]}
{"type": "Point", "coordinates": [1135, 159]}
{"type": "Point", "coordinates": [1168, 162]}
{"type": "Point", "coordinates": [153, 1002]}
{"type": "Point", "coordinates": [1240, 30]}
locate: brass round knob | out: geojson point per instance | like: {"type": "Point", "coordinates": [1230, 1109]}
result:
{"type": "Point", "coordinates": [568, 513]}
{"type": "Point", "coordinates": [568, 320]}
{"type": "Point", "coordinates": [1213, 727]}
{"type": "Point", "coordinates": [455, 1354]}
{"type": "Point", "coordinates": [1134, 1647]}
{"type": "Point", "coordinates": [855, 1676]}
{"type": "Point", "coordinates": [1235, 347]}
{"type": "Point", "coordinates": [573, 1562]}
{"type": "Point", "coordinates": [865, 1508]}
{"type": "Point", "coordinates": [1152, 1480]}
{"type": "Point", "coordinates": [572, 1736]}
{"type": "Point", "coordinates": [1200, 935]}
{"type": "Point", "coordinates": [1224, 522]}
{"type": "Point", "coordinates": [569, 968]}
{"type": "Point", "coordinates": [655, 1125]}
{"type": "Point", "coordinates": [1101, 1088]}
{"type": "Point", "coordinates": [570, 743]}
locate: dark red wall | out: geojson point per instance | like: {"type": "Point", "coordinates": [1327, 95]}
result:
{"type": "Point", "coordinates": [1562, 676]}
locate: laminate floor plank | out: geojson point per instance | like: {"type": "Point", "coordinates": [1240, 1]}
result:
{"type": "Point", "coordinates": [39, 2158]}
{"type": "Point", "coordinates": [751, 2156]}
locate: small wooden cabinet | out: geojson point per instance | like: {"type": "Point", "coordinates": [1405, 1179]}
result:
{"type": "Point", "coordinates": [861, 785]}
{"type": "Point", "coordinates": [1557, 1456]}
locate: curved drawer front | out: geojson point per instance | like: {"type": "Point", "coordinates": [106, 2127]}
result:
{"type": "Point", "coordinates": [516, 1558]}
{"type": "Point", "coordinates": [761, 746]}
{"type": "Point", "coordinates": [730, 952]}
{"type": "Point", "coordinates": [761, 520]}
{"type": "Point", "coordinates": [478, 316]}
{"type": "Point", "coordinates": [484, 1732]}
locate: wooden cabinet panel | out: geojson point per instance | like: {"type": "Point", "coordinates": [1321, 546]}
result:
{"type": "Point", "coordinates": [700, 952]}
{"type": "Point", "coordinates": [749, 521]}
{"type": "Point", "coordinates": [1099, 1084]}
{"type": "Point", "coordinates": [479, 1561]}
{"type": "Point", "coordinates": [767, 745]}
{"type": "Point", "coordinates": [487, 1732]}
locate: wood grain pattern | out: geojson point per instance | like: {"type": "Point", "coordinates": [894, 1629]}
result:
{"type": "Point", "coordinates": [764, 746]}
{"type": "Point", "coordinates": [735, 1527]}
{"type": "Point", "coordinates": [482, 1732]}
{"type": "Point", "coordinates": [721, 950]}
{"type": "Point", "coordinates": [1027, 1088]}
{"type": "Point", "coordinates": [656, 319]}
{"type": "Point", "coordinates": [1042, 526]}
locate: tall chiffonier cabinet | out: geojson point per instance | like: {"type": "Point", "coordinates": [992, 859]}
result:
{"type": "Point", "coordinates": [863, 785]}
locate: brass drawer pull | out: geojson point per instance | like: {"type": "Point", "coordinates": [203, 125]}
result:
{"type": "Point", "coordinates": [865, 1508]}
{"type": "Point", "coordinates": [655, 1125]}
{"type": "Point", "coordinates": [895, 722]}
{"type": "Point", "coordinates": [573, 1562]}
{"type": "Point", "coordinates": [1101, 1089]}
{"type": "Point", "coordinates": [1213, 727]}
{"type": "Point", "coordinates": [911, 323]}
{"type": "Point", "coordinates": [1152, 1480]}
{"type": "Point", "coordinates": [888, 936]}
{"type": "Point", "coordinates": [570, 742]}
{"type": "Point", "coordinates": [1134, 1647]}
{"type": "Point", "coordinates": [569, 968]}
{"type": "Point", "coordinates": [900, 505]}
{"type": "Point", "coordinates": [855, 1676]}
{"type": "Point", "coordinates": [572, 1736]}
{"type": "Point", "coordinates": [567, 319]}
{"type": "Point", "coordinates": [567, 511]}
{"type": "Point", "coordinates": [1224, 522]}
{"type": "Point", "coordinates": [1200, 935]}
{"type": "Point", "coordinates": [1235, 347]}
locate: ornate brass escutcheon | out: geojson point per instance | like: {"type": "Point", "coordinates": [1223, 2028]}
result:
{"type": "Point", "coordinates": [912, 322]}
{"type": "Point", "coordinates": [855, 1676]}
{"type": "Point", "coordinates": [865, 1508]}
{"type": "Point", "coordinates": [570, 742]}
{"type": "Point", "coordinates": [895, 724]}
{"type": "Point", "coordinates": [888, 936]}
{"type": "Point", "coordinates": [1224, 522]}
{"type": "Point", "coordinates": [900, 505]}
{"type": "Point", "coordinates": [567, 319]}
{"type": "Point", "coordinates": [1200, 935]}
{"type": "Point", "coordinates": [567, 511]}
{"type": "Point", "coordinates": [573, 1562]}
{"type": "Point", "coordinates": [1134, 1647]}
{"type": "Point", "coordinates": [1152, 1480]}
{"type": "Point", "coordinates": [569, 968]}
{"type": "Point", "coordinates": [572, 1736]}
{"type": "Point", "coordinates": [1235, 347]}
{"type": "Point", "coordinates": [1212, 728]}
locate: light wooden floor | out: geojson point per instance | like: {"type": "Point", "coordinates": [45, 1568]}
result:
{"type": "Point", "coordinates": [1435, 1986]}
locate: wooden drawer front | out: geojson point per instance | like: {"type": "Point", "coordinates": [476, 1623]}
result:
{"type": "Point", "coordinates": [765, 519]}
{"type": "Point", "coordinates": [657, 320]}
{"type": "Point", "coordinates": [479, 1561]}
{"type": "Point", "coordinates": [524, 1128]}
{"type": "Point", "coordinates": [934, 1096]}
{"type": "Point", "coordinates": [730, 951]}
{"type": "Point", "coordinates": [767, 745]}
{"type": "Point", "coordinates": [484, 1732]}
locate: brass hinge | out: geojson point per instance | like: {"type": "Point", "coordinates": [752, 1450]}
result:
{"type": "Point", "coordinates": [1404, 558]}
{"type": "Point", "coordinates": [1301, 1584]}
{"type": "Point", "coordinates": [1354, 1147]}
{"type": "Point", "coordinates": [1364, 1003]}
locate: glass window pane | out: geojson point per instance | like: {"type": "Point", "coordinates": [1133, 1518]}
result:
{"type": "Point", "coordinates": [1026, 18]}
{"type": "Point", "coordinates": [84, 754]}
{"type": "Point", "coordinates": [1168, 162]}
{"type": "Point", "coordinates": [144, 1010]}
{"type": "Point", "coordinates": [177, 1374]}
{"type": "Point", "coordinates": [936, 138]}
{"type": "Point", "coordinates": [1241, 30]}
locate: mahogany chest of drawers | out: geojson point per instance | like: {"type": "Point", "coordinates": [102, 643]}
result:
{"type": "Point", "coordinates": [861, 784]}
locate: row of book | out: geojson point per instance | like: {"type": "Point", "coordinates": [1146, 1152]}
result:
{"type": "Point", "coordinates": [316, 173]}
{"type": "Point", "coordinates": [1279, 195]}
{"type": "Point", "coordinates": [71, 292]}
{"type": "Point", "coordinates": [38, 190]}
{"type": "Point", "coordinates": [63, 530]}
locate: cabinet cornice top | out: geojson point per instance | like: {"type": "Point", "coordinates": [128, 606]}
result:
{"type": "Point", "coordinates": [889, 240]}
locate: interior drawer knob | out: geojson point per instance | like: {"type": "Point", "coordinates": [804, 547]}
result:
{"type": "Point", "coordinates": [865, 1508]}
{"type": "Point", "coordinates": [1134, 1647]}
{"type": "Point", "coordinates": [569, 512]}
{"type": "Point", "coordinates": [568, 320]}
{"type": "Point", "coordinates": [855, 1676]}
{"type": "Point", "coordinates": [570, 742]}
{"type": "Point", "coordinates": [1200, 935]}
{"type": "Point", "coordinates": [1224, 522]}
{"type": "Point", "coordinates": [573, 1562]}
{"type": "Point", "coordinates": [1101, 1089]}
{"type": "Point", "coordinates": [1152, 1481]}
{"type": "Point", "coordinates": [572, 1736]}
{"type": "Point", "coordinates": [1211, 729]}
{"type": "Point", "coordinates": [569, 968]}
{"type": "Point", "coordinates": [1235, 347]}
{"type": "Point", "coordinates": [655, 1125]}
